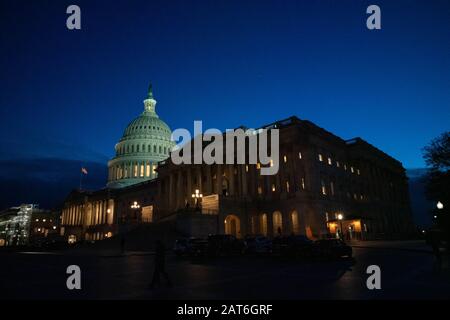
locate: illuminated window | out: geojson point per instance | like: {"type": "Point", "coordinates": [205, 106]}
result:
{"type": "Point", "coordinates": [352, 170]}
{"type": "Point", "coordinates": [273, 188]}
{"type": "Point", "coordinates": [326, 216]}
{"type": "Point", "coordinates": [358, 172]}
{"type": "Point", "coordinates": [355, 196]}
{"type": "Point", "coordinates": [277, 222]}
{"type": "Point", "coordinates": [287, 186]}
{"type": "Point", "coordinates": [285, 159]}
{"type": "Point", "coordinates": [258, 165]}
{"type": "Point", "coordinates": [271, 162]}
{"type": "Point", "coordinates": [345, 167]}
{"type": "Point", "coordinates": [332, 188]}
{"type": "Point", "coordinates": [294, 222]}
{"type": "Point", "coordinates": [324, 188]}
{"type": "Point", "coordinates": [246, 168]}
{"type": "Point", "coordinates": [329, 161]}
{"type": "Point", "coordinates": [337, 164]}
{"type": "Point", "coordinates": [259, 190]}
{"type": "Point", "coordinates": [303, 183]}
{"type": "Point", "coordinates": [299, 155]}
{"type": "Point", "coordinates": [154, 168]}
{"type": "Point", "coordinates": [147, 170]}
{"type": "Point", "coordinates": [135, 170]}
{"type": "Point", "coordinates": [320, 157]}
{"type": "Point", "coordinates": [263, 224]}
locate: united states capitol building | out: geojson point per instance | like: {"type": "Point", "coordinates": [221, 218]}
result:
{"type": "Point", "coordinates": [325, 186]}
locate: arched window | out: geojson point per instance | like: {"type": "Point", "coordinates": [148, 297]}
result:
{"type": "Point", "coordinates": [149, 148]}
{"type": "Point", "coordinates": [132, 148]}
{"type": "Point", "coordinates": [263, 224]}
{"type": "Point", "coordinates": [294, 222]}
{"type": "Point", "coordinates": [128, 149]}
{"type": "Point", "coordinates": [154, 148]}
{"type": "Point", "coordinates": [143, 148]}
{"type": "Point", "coordinates": [137, 148]}
{"type": "Point", "coordinates": [277, 223]}
{"type": "Point", "coordinates": [160, 149]}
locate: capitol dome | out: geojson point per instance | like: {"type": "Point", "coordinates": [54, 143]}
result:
{"type": "Point", "coordinates": [145, 142]}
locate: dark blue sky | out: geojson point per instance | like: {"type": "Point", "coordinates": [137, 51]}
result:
{"type": "Point", "coordinates": [70, 94]}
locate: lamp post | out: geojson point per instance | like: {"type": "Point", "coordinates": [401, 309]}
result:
{"type": "Point", "coordinates": [135, 206]}
{"type": "Point", "coordinates": [197, 195]}
{"type": "Point", "coordinates": [340, 217]}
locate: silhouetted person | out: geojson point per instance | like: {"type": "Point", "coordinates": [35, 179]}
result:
{"type": "Point", "coordinates": [160, 268]}
{"type": "Point", "coordinates": [122, 244]}
{"type": "Point", "coordinates": [435, 243]}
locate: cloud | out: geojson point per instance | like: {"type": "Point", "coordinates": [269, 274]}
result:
{"type": "Point", "coordinates": [46, 181]}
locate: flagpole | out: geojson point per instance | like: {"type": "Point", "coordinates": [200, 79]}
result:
{"type": "Point", "coordinates": [81, 177]}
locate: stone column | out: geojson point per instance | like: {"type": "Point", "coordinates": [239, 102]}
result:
{"type": "Point", "coordinates": [180, 193]}
{"type": "Point", "coordinates": [199, 178]}
{"type": "Point", "coordinates": [170, 195]}
{"type": "Point", "coordinates": [219, 179]}
{"type": "Point", "coordinates": [243, 180]}
{"type": "Point", "coordinates": [208, 186]}
{"type": "Point", "coordinates": [189, 185]}
{"type": "Point", "coordinates": [231, 179]}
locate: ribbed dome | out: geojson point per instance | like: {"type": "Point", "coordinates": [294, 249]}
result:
{"type": "Point", "coordinates": [147, 124]}
{"type": "Point", "coordinates": [145, 142]}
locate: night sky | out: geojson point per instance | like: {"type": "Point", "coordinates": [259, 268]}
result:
{"type": "Point", "coordinates": [69, 94]}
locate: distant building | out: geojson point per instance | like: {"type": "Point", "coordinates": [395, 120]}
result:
{"type": "Point", "coordinates": [27, 225]}
{"type": "Point", "coordinates": [325, 187]}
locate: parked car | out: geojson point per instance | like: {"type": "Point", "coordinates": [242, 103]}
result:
{"type": "Point", "coordinates": [293, 246]}
{"type": "Point", "coordinates": [257, 244]}
{"type": "Point", "coordinates": [224, 244]}
{"type": "Point", "coordinates": [188, 246]}
{"type": "Point", "coordinates": [198, 247]}
{"type": "Point", "coordinates": [332, 249]}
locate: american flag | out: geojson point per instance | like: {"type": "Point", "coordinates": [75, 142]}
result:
{"type": "Point", "coordinates": [84, 170]}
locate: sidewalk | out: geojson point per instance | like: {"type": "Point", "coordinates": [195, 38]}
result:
{"type": "Point", "coordinates": [407, 245]}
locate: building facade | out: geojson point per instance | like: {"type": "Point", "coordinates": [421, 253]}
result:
{"type": "Point", "coordinates": [27, 224]}
{"type": "Point", "coordinates": [325, 187]}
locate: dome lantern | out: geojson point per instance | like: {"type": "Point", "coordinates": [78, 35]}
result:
{"type": "Point", "coordinates": [150, 102]}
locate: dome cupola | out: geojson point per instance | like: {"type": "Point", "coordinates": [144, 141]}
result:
{"type": "Point", "coordinates": [145, 142]}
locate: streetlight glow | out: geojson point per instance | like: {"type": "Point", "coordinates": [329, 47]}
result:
{"type": "Point", "coordinates": [340, 216]}
{"type": "Point", "coordinates": [440, 205]}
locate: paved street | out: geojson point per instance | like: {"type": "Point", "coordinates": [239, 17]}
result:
{"type": "Point", "coordinates": [406, 273]}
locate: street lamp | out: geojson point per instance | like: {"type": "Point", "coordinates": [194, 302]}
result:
{"type": "Point", "coordinates": [340, 218]}
{"type": "Point", "coordinates": [440, 205]}
{"type": "Point", "coordinates": [197, 195]}
{"type": "Point", "coordinates": [135, 206]}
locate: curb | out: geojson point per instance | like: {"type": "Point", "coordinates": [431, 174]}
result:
{"type": "Point", "coordinates": [394, 248]}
